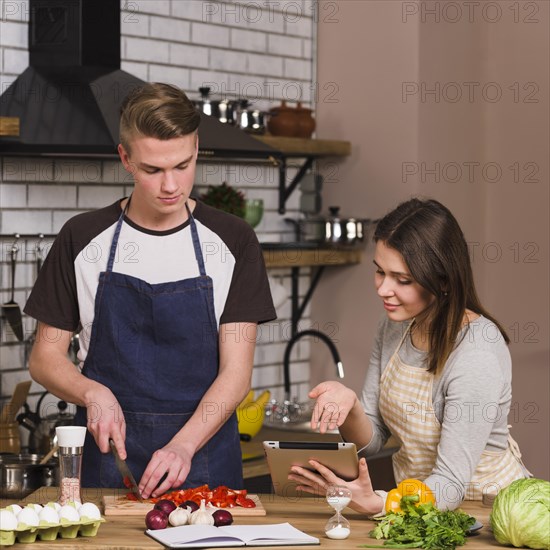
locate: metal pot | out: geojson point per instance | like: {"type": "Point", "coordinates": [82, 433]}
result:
{"type": "Point", "coordinates": [224, 110]}
{"type": "Point", "coordinates": [22, 474]}
{"type": "Point", "coordinates": [333, 229]}
{"type": "Point", "coordinates": [250, 120]}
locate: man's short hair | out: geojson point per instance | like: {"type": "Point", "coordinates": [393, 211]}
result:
{"type": "Point", "coordinates": [157, 110]}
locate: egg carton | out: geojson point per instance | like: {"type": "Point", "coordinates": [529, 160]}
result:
{"type": "Point", "coordinates": [46, 530]}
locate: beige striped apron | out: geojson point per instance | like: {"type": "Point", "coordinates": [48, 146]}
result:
{"type": "Point", "coordinates": [408, 411]}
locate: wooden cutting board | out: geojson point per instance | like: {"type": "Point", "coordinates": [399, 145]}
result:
{"type": "Point", "coordinates": [121, 506]}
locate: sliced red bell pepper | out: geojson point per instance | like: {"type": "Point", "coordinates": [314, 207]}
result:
{"type": "Point", "coordinates": [245, 502]}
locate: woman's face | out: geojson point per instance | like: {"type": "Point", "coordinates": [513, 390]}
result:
{"type": "Point", "coordinates": [403, 297]}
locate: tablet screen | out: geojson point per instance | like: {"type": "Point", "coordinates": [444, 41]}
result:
{"type": "Point", "coordinates": [339, 457]}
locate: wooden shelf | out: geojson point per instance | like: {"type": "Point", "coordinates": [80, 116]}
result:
{"type": "Point", "coordinates": [307, 257]}
{"type": "Point", "coordinates": [9, 126]}
{"type": "Point", "coordinates": [294, 257]}
{"type": "Point", "coordinates": [302, 147]}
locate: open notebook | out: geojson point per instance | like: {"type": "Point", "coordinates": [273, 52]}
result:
{"type": "Point", "coordinates": [200, 536]}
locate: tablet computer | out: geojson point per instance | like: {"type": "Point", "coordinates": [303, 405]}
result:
{"type": "Point", "coordinates": [341, 458]}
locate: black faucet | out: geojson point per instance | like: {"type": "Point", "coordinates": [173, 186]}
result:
{"type": "Point", "coordinates": [288, 350]}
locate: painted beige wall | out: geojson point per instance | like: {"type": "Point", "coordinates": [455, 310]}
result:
{"type": "Point", "coordinates": [373, 52]}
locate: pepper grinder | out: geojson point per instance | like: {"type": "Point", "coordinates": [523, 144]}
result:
{"type": "Point", "coordinates": [71, 442]}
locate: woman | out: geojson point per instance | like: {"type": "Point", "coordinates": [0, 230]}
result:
{"type": "Point", "coordinates": [439, 377]}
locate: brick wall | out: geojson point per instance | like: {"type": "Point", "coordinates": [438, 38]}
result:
{"type": "Point", "coordinates": [261, 50]}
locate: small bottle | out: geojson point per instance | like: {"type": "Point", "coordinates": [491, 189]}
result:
{"type": "Point", "coordinates": [71, 442]}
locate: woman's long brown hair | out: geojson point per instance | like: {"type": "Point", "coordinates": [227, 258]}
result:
{"type": "Point", "coordinates": [434, 249]}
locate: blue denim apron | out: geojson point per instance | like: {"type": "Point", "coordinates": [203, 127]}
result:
{"type": "Point", "coordinates": [155, 346]}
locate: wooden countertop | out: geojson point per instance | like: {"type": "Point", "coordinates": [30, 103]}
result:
{"type": "Point", "coordinates": [307, 514]}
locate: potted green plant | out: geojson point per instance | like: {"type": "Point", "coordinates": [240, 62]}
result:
{"type": "Point", "coordinates": [226, 198]}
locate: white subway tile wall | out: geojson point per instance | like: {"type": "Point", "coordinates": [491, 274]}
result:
{"type": "Point", "coordinates": [262, 50]}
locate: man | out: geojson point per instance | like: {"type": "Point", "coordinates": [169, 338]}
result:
{"type": "Point", "coordinates": [167, 293]}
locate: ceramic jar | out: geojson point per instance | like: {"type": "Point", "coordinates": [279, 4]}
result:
{"type": "Point", "coordinates": [306, 122]}
{"type": "Point", "coordinates": [283, 121]}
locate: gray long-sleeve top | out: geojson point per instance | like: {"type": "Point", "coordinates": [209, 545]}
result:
{"type": "Point", "coordinates": [474, 388]}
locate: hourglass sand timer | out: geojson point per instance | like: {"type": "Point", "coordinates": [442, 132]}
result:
{"type": "Point", "coordinates": [338, 526]}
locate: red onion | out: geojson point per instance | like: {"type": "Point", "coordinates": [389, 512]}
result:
{"type": "Point", "coordinates": [190, 504]}
{"type": "Point", "coordinates": [165, 505]}
{"type": "Point", "coordinates": [156, 519]}
{"type": "Point", "coordinates": [222, 517]}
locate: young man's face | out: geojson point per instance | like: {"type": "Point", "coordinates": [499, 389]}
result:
{"type": "Point", "coordinates": [164, 173]}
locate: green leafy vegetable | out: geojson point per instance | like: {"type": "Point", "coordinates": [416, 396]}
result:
{"type": "Point", "coordinates": [423, 526]}
{"type": "Point", "coordinates": [226, 198]}
{"type": "Point", "coordinates": [521, 514]}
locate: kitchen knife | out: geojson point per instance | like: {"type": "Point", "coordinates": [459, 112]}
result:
{"type": "Point", "coordinates": [125, 472]}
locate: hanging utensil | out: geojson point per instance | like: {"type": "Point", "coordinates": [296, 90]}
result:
{"type": "Point", "coordinates": [11, 310]}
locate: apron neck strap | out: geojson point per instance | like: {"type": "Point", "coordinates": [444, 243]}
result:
{"type": "Point", "coordinates": [196, 241]}
{"type": "Point", "coordinates": [114, 242]}
{"type": "Point", "coordinates": [194, 236]}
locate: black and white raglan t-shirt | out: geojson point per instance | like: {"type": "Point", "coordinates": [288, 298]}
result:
{"type": "Point", "coordinates": [65, 291]}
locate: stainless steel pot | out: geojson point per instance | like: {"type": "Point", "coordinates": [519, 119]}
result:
{"type": "Point", "coordinates": [22, 474]}
{"type": "Point", "coordinates": [333, 229]}
{"type": "Point", "coordinates": [224, 110]}
{"type": "Point", "coordinates": [249, 119]}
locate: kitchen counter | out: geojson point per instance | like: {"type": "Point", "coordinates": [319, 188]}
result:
{"type": "Point", "coordinates": [307, 514]}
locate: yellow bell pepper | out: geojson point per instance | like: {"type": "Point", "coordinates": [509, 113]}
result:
{"type": "Point", "coordinates": [409, 490]}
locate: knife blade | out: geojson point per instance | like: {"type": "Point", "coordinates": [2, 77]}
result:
{"type": "Point", "coordinates": [125, 472]}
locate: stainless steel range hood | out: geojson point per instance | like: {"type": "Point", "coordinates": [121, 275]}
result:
{"type": "Point", "coordinates": [68, 100]}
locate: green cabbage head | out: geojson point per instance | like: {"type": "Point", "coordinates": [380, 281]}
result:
{"type": "Point", "coordinates": [521, 514]}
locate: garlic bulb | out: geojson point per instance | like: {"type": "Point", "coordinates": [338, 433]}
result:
{"type": "Point", "coordinates": [210, 508]}
{"type": "Point", "coordinates": [179, 516]}
{"type": "Point", "coordinates": [201, 516]}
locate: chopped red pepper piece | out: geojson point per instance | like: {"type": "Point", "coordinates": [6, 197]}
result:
{"type": "Point", "coordinates": [245, 502]}
{"type": "Point", "coordinates": [221, 497]}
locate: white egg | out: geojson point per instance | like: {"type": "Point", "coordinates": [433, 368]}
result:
{"type": "Point", "coordinates": [8, 520]}
{"type": "Point", "coordinates": [49, 515]}
{"type": "Point", "coordinates": [55, 505]}
{"type": "Point", "coordinates": [89, 510]}
{"type": "Point", "coordinates": [14, 508]}
{"type": "Point", "coordinates": [70, 513]}
{"type": "Point", "coordinates": [28, 516]}
{"type": "Point", "coordinates": [35, 507]}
